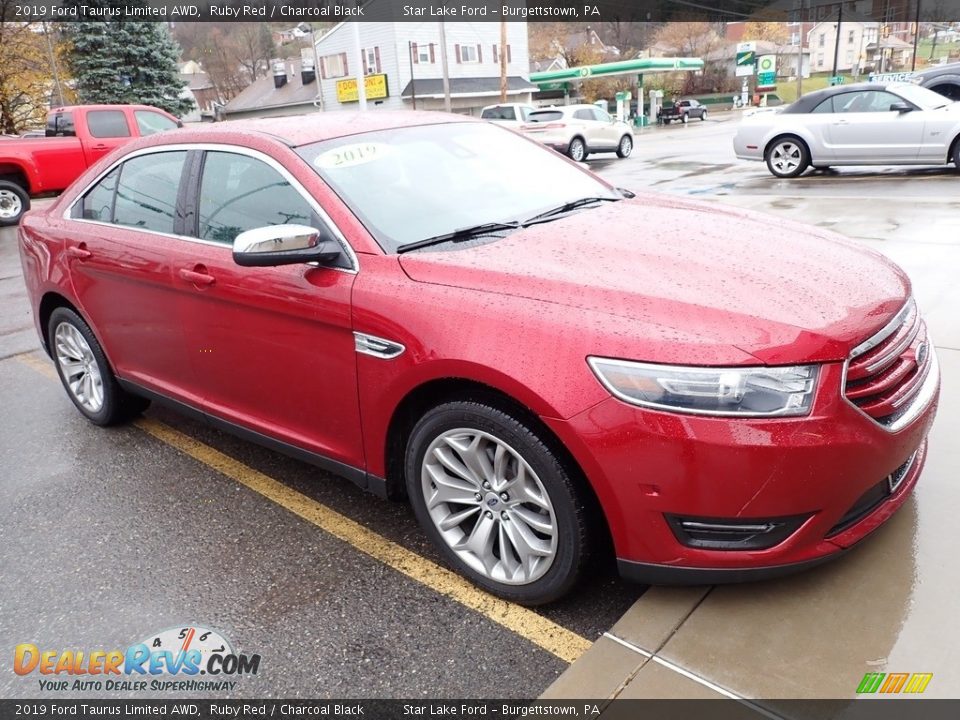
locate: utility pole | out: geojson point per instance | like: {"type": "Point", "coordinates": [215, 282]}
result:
{"type": "Point", "coordinates": [361, 75]}
{"type": "Point", "coordinates": [836, 46]}
{"type": "Point", "coordinates": [413, 83]}
{"type": "Point", "coordinates": [800, 62]}
{"type": "Point", "coordinates": [916, 36]}
{"type": "Point", "coordinates": [503, 61]}
{"type": "Point", "coordinates": [446, 70]}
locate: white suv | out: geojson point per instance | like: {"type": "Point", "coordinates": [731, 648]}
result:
{"type": "Point", "coordinates": [579, 130]}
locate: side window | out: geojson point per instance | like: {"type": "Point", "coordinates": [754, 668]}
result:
{"type": "Point", "coordinates": [97, 204]}
{"type": "Point", "coordinates": [825, 107]}
{"type": "Point", "coordinates": [239, 193]}
{"type": "Point", "coordinates": [61, 125]}
{"type": "Point", "coordinates": [107, 124]}
{"type": "Point", "coordinates": [149, 122]}
{"type": "Point", "coordinates": [583, 115]}
{"type": "Point", "coordinates": [867, 101]}
{"type": "Point", "coordinates": [147, 191]}
{"type": "Point", "coordinates": [601, 115]}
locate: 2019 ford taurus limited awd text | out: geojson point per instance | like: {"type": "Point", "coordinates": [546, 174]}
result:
{"type": "Point", "coordinates": [544, 365]}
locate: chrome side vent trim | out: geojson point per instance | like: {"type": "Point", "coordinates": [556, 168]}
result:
{"type": "Point", "coordinates": [377, 347]}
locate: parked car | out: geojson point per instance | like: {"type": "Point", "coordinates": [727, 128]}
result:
{"type": "Point", "coordinates": [863, 124]}
{"type": "Point", "coordinates": [544, 365]}
{"type": "Point", "coordinates": [943, 79]}
{"type": "Point", "coordinates": [511, 115]}
{"type": "Point", "coordinates": [683, 110]}
{"type": "Point", "coordinates": [76, 137]}
{"type": "Point", "coordinates": [579, 130]}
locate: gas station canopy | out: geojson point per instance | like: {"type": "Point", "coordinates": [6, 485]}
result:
{"type": "Point", "coordinates": [622, 67]}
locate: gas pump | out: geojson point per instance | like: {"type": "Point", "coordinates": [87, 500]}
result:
{"type": "Point", "coordinates": [623, 105]}
{"type": "Point", "coordinates": [656, 102]}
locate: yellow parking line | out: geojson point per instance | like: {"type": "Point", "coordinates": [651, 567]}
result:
{"type": "Point", "coordinates": [565, 644]}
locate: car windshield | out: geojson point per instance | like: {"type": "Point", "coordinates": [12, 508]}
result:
{"type": "Point", "coordinates": [412, 183]}
{"type": "Point", "coordinates": [926, 99]}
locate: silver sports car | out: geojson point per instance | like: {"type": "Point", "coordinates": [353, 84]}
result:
{"type": "Point", "coordinates": [863, 124]}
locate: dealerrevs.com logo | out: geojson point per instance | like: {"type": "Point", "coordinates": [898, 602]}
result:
{"type": "Point", "coordinates": [171, 660]}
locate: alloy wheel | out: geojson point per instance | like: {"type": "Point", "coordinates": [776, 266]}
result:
{"type": "Point", "coordinates": [786, 157]}
{"type": "Point", "coordinates": [79, 367]}
{"type": "Point", "coordinates": [489, 506]}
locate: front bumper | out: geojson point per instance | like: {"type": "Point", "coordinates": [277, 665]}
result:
{"type": "Point", "coordinates": [648, 466]}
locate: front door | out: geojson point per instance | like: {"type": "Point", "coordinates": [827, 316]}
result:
{"type": "Point", "coordinates": [864, 129]}
{"type": "Point", "coordinates": [272, 347]}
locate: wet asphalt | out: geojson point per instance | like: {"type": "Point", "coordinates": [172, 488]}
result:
{"type": "Point", "coordinates": [108, 536]}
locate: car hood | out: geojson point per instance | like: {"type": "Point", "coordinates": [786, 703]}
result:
{"type": "Point", "coordinates": [683, 272]}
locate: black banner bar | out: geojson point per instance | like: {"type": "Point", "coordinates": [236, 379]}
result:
{"type": "Point", "coordinates": [295, 11]}
{"type": "Point", "coordinates": [862, 709]}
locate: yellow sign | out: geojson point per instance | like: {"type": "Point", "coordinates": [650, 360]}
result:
{"type": "Point", "coordinates": [376, 86]}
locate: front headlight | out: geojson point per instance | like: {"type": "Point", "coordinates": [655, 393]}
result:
{"type": "Point", "coordinates": [745, 392]}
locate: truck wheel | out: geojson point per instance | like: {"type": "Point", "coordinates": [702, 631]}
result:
{"type": "Point", "coordinates": [14, 202]}
{"type": "Point", "coordinates": [686, 117]}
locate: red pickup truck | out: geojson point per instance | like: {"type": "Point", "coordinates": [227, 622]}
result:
{"type": "Point", "coordinates": [76, 137]}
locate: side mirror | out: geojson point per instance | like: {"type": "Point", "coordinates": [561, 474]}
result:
{"type": "Point", "coordinates": [901, 107]}
{"type": "Point", "coordinates": [283, 245]}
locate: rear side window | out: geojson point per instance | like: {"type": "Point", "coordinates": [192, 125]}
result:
{"type": "Point", "coordinates": [825, 107]}
{"type": "Point", "coordinates": [149, 122]}
{"type": "Point", "coordinates": [147, 191]}
{"type": "Point", "coordinates": [107, 124]}
{"type": "Point", "coordinates": [499, 113]}
{"type": "Point", "coordinates": [98, 202]}
{"type": "Point", "coordinates": [545, 116]}
{"type": "Point", "coordinates": [239, 193]}
{"type": "Point", "coordinates": [61, 125]}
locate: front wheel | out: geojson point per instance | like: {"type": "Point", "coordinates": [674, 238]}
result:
{"type": "Point", "coordinates": [703, 116]}
{"type": "Point", "coordinates": [625, 147]}
{"type": "Point", "coordinates": [685, 118]}
{"type": "Point", "coordinates": [577, 150]}
{"type": "Point", "coordinates": [85, 372]}
{"type": "Point", "coordinates": [787, 157]}
{"type": "Point", "coordinates": [956, 154]}
{"type": "Point", "coordinates": [14, 202]}
{"type": "Point", "coordinates": [496, 501]}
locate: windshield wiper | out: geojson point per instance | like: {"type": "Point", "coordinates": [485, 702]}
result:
{"type": "Point", "coordinates": [460, 234]}
{"type": "Point", "coordinates": [567, 207]}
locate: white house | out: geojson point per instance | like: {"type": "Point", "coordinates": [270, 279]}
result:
{"type": "Point", "coordinates": [855, 37]}
{"type": "Point", "coordinates": [402, 65]}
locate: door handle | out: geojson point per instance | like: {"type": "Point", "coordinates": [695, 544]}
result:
{"type": "Point", "coordinates": [842, 122]}
{"type": "Point", "coordinates": [80, 252]}
{"type": "Point", "coordinates": [99, 147]}
{"type": "Point", "coordinates": [197, 277]}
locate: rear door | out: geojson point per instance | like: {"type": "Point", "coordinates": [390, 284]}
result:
{"type": "Point", "coordinates": [106, 129]}
{"type": "Point", "coordinates": [272, 347]}
{"type": "Point", "coordinates": [121, 241]}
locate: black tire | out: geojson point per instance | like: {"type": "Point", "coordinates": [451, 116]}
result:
{"type": "Point", "coordinates": [666, 121]}
{"type": "Point", "coordinates": [14, 202]}
{"type": "Point", "coordinates": [703, 116]}
{"type": "Point", "coordinates": [787, 156]}
{"type": "Point", "coordinates": [625, 147]}
{"type": "Point", "coordinates": [577, 150]}
{"type": "Point", "coordinates": [686, 118]}
{"type": "Point", "coordinates": [956, 154]}
{"type": "Point", "coordinates": [569, 518]}
{"type": "Point", "coordinates": [117, 406]}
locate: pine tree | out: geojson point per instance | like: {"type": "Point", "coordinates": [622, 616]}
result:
{"type": "Point", "coordinates": [117, 61]}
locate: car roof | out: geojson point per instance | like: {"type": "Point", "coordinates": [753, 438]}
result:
{"type": "Point", "coordinates": [809, 101]}
{"type": "Point", "coordinates": [296, 130]}
{"type": "Point", "coordinates": [937, 71]}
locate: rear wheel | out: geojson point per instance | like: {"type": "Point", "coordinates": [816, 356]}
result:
{"type": "Point", "coordinates": [85, 372]}
{"type": "Point", "coordinates": [14, 202]}
{"type": "Point", "coordinates": [625, 147]}
{"type": "Point", "coordinates": [787, 157]}
{"type": "Point", "coordinates": [577, 150]}
{"type": "Point", "coordinates": [496, 501]}
{"type": "Point", "coordinates": [956, 154]}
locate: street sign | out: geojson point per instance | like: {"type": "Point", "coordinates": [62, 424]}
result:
{"type": "Point", "coordinates": [836, 79]}
{"type": "Point", "coordinates": [765, 79]}
{"type": "Point", "coordinates": [746, 58]}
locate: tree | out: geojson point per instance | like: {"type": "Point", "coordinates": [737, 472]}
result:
{"type": "Point", "coordinates": [774, 32]}
{"type": "Point", "coordinates": [27, 55]}
{"type": "Point", "coordinates": [115, 61]}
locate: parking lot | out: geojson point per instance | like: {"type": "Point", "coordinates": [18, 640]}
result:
{"type": "Point", "coordinates": [109, 536]}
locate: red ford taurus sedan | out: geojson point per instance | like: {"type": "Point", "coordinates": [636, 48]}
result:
{"type": "Point", "coordinates": [545, 365]}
